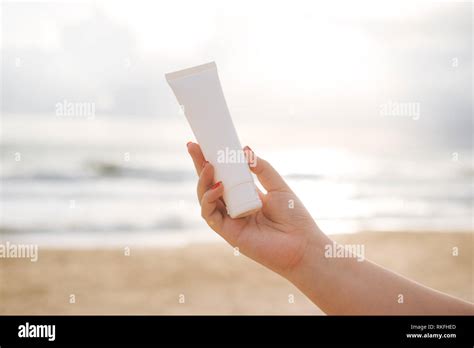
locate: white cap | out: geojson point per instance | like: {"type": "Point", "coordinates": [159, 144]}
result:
{"type": "Point", "coordinates": [242, 200]}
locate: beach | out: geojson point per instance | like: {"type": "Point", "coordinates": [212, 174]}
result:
{"type": "Point", "coordinates": [210, 278]}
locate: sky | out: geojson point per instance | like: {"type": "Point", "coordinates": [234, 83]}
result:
{"type": "Point", "coordinates": [328, 64]}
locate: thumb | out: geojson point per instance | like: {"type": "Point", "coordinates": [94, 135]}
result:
{"type": "Point", "coordinates": [266, 174]}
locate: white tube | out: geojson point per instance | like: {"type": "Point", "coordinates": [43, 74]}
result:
{"type": "Point", "coordinates": [199, 92]}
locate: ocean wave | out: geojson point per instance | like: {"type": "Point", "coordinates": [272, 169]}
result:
{"type": "Point", "coordinates": [169, 223]}
{"type": "Point", "coordinates": [105, 169]}
{"type": "Point", "coordinates": [99, 170]}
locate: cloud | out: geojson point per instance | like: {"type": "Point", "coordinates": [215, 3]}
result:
{"type": "Point", "coordinates": [332, 73]}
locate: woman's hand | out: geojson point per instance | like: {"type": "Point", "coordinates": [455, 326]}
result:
{"type": "Point", "coordinates": [283, 237]}
{"type": "Point", "coordinates": [278, 235]}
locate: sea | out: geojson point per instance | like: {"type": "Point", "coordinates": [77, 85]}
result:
{"type": "Point", "coordinates": [117, 181]}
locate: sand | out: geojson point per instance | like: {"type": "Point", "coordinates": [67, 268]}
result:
{"type": "Point", "coordinates": [209, 278]}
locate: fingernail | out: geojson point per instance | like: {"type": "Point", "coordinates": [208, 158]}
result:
{"type": "Point", "coordinates": [216, 185]}
{"type": "Point", "coordinates": [189, 143]}
{"type": "Point", "coordinates": [250, 156]}
{"type": "Point", "coordinates": [204, 163]}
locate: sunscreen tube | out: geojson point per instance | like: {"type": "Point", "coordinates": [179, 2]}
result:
{"type": "Point", "coordinates": [199, 93]}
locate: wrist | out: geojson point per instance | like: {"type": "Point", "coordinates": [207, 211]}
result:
{"type": "Point", "coordinates": [312, 259]}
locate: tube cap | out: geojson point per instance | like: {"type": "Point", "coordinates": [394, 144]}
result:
{"type": "Point", "coordinates": [242, 200]}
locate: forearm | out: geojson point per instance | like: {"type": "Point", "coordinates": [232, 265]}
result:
{"type": "Point", "coordinates": [350, 286]}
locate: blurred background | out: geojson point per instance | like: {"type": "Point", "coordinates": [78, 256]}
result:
{"type": "Point", "coordinates": [310, 87]}
{"type": "Point", "coordinates": [364, 106]}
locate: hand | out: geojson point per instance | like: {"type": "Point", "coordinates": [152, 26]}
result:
{"type": "Point", "coordinates": [277, 236]}
{"type": "Point", "coordinates": [283, 237]}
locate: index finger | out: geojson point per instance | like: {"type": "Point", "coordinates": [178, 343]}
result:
{"type": "Point", "coordinates": [197, 156]}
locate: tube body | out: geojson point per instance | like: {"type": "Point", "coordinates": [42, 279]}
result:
{"type": "Point", "coordinates": [198, 91]}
